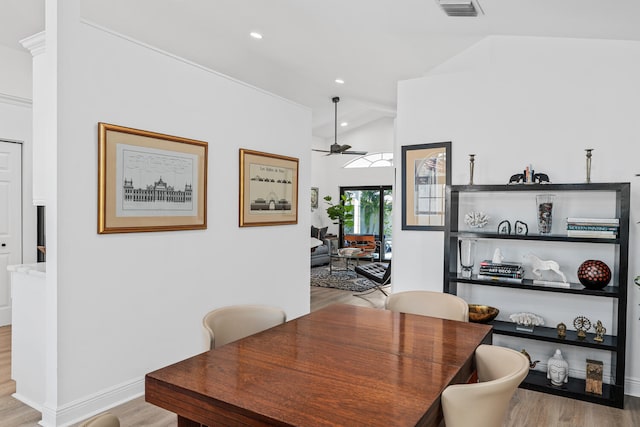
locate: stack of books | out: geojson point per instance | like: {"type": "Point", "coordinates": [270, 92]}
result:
{"type": "Point", "coordinates": [602, 228]}
{"type": "Point", "coordinates": [504, 271]}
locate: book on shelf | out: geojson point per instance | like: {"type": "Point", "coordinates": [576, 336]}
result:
{"type": "Point", "coordinates": [592, 234]}
{"type": "Point", "coordinates": [502, 273]}
{"type": "Point", "coordinates": [489, 263]}
{"type": "Point", "coordinates": [494, 278]}
{"type": "Point", "coordinates": [572, 226]}
{"type": "Point", "coordinates": [594, 221]}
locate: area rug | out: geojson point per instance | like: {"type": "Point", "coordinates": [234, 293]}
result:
{"type": "Point", "coordinates": [344, 280]}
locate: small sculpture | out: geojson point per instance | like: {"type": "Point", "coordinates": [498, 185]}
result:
{"type": "Point", "coordinates": [537, 264]}
{"type": "Point", "coordinates": [515, 179]}
{"type": "Point", "coordinates": [531, 364]}
{"type": "Point", "coordinates": [521, 228]}
{"type": "Point", "coordinates": [582, 325]}
{"type": "Point", "coordinates": [504, 227]}
{"type": "Point", "coordinates": [600, 331]}
{"type": "Point", "coordinates": [562, 330]}
{"type": "Point", "coordinates": [557, 369]}
{"type": "Point", "coordinates": [476, 219]}
{"type": "Point", "coordinates": [526, 321]}
{"type": "Point", "coordinates": [497, 257]}
{"type": "Point", "coordinates": [540, 178]}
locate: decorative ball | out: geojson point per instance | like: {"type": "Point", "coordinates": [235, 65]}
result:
{"type": "Point", "coordinates": [594, 274]}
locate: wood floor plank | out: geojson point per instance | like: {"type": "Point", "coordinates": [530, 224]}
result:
{"type": "Point", "coordinates": [527, 409]}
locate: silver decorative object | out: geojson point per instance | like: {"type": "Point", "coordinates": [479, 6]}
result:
{"type": "Point", "coordinates": [472, 159]}
{"type": "Point", "coordinates": [588, 150]}
{"type": "Point", "coordinates": [476, 219]}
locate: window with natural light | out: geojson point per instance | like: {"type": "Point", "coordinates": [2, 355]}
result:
{"type": "Point", "coordinates": [375, 160]}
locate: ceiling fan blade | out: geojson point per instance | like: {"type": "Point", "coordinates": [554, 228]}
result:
{"type": "Point", "coordinates": [357, 153]}
{"type": "Point", "coordinates": [320, 151]}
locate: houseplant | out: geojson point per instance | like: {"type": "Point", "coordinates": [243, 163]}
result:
{"type": "Point", "coordinates": [340, 213]}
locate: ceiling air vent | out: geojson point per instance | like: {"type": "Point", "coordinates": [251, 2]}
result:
{"type": "Point", "coordinates": [460, 7]}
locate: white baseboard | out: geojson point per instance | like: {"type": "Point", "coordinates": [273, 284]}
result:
{"type": "Point", "coordinates": [632, 386]}
{"type": "Point", "coordinates": [5, 316]}
{"type": "Point", "coordinates": [27, 402]}
{"type": "Point", "coordinates": [89, 406]}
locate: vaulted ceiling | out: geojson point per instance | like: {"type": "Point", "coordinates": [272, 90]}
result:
{"type": "Point", "coordinates": [307, 44]}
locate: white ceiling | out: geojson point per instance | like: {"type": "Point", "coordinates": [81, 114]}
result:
{"type": "Point", "coordinates": [307, 44]}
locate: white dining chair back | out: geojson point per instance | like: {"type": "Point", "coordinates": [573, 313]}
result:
{"type": "Point", "coordinates": [485, 403]}
{"type": "Point", "coordinates": [428, 303]}
{"type": "Point", "coordinates": [228, 324]}
{"type": "Point", "coordinates": [103, 420]}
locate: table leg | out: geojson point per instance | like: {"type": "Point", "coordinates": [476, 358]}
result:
{"type": "Point", "coordinates": [186, 422]}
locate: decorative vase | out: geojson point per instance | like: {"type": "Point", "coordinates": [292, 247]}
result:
{"type": "Point", "coordinates": [557, 369]}
{"type": "Point", "coordinates": [545, 212]}
{"type": "Point", "coordinates": [594, 274]}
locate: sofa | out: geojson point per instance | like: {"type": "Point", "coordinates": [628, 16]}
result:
{"type": "Point", "coordinates": [320, 248]}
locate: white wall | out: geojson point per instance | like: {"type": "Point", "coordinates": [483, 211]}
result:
{"type": "Point", "coordinates": [328, 174]}
{"type": "Point", "coordinates": [15, 125]}
{"type": "Point", "coordinates": [514, 101]}
{"type": "Point", "coordinates": [15, 73]}
{"type": "Point", "coordinates": [131, 303]}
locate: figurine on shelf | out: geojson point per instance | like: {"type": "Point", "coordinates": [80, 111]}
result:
{"type": "Point", "coordinates": [582, 325]}
{"type": "Point", "coordinates": [557, 369]}
{"type": "Point", "coordinates": [600, 331]}
{"type": "Point", "coordinates": [562, 330]}
{"type": "Point", "coordinates": [531, 364]}
{"type": "Point", "coordinates": [537, 265]}
{"type": "Point", "coordinates": [521, 228]}
{"type": "Point", "coordinates": [497, 257]}
{"type": "Point", "coordinates": [504, 227]}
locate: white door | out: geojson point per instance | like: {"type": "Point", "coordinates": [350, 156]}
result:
{"type": "Point", "coordinates": [10, 220]}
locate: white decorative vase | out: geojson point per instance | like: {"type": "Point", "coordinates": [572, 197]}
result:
{"type": "Point", "coordinates": [557, 369]}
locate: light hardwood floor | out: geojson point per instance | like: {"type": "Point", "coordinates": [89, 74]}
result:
{"type": "Point", "coordinates": [528, 409]}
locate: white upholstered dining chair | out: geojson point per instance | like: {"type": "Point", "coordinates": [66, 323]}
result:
{"type": "Point", "coordinates": [485, 403]}
{"type": "Point", "coordinates": [428, 303]}
{"type": "Point", "coordinates": [103, 420]}
{"type": "Point", "coordinates": [232, 323]}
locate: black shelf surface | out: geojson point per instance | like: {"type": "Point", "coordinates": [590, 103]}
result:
{"type": "Point", "coordinates": [596, 186]}
{"type": "Point", "coordinates": [538, 237]}
{"type": "Point", "coordinates": [544, 333]}
{"type": "Point", "coordinates": [527, 284]}
{"type": "Point", "coordinates": [611, 394]}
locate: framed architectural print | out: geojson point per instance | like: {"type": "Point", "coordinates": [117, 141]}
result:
{"type": "Point", "coordinates": [149, 181]}
{"type": "Point", "coordinates": [426, 172]}
{"type": "Point", "coordinates": [268, 189]}
{"type": "Point", "coordinates": [315, 194]}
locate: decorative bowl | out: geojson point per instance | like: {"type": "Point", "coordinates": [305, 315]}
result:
{"type": "Point", "coordinates": [482, 313]}
{"type": "Point", "coordinates": [594, 274]}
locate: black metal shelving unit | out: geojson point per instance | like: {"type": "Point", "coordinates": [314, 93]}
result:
{"type": "Point", "coordinates": [613, 394]}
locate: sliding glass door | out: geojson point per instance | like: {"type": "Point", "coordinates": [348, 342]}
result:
{"type": "Point", "coordinates": [372, 214]}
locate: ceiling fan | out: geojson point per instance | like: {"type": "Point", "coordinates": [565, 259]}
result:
{"type": "Point", "coordinates": [335, 147]}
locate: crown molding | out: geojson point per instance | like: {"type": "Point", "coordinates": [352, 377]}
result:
{"type": "Point", "coordinates": [36, 44]}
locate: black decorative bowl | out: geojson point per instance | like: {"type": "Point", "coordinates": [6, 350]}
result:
{"type": "Point", "coordinates": [594, 274]}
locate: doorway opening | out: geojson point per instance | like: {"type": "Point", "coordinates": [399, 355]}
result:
{"type": "Point", "coordinates": [371, 215]}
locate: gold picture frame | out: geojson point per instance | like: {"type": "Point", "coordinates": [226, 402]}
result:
{"type": "Point", "coordinates": [268, 189]}
{"type": "Point", "coordinates": [149, 181]}
{"type": "Point", "coordinates": [426, 173]}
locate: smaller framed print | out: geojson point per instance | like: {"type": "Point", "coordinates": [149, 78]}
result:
{"type": "Point", "coordinates": [149, 181]}
{"type": "Point", "coordinates": [268, 189]}
{"type": "Point", "coordinates": [426, 172]}
{"type": "Point", "coordinates": [314, 197]}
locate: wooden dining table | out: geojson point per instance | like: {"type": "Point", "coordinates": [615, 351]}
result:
{"type": "Point", "coordinates": [342, 365]}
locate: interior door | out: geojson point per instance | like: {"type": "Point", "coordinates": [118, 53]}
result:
{"type": "Point", "coordinates": [10, 220]}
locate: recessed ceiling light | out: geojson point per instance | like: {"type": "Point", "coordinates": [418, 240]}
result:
{"type": "Point", "coordinates": [255, 35]}
{"type": "Point", "coordinates": [339, 81]}
{"type": "Point", "coordinates": [343, 124]}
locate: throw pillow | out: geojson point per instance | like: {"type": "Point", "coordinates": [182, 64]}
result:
{"type": "Point", "coordinates": [319, 233]}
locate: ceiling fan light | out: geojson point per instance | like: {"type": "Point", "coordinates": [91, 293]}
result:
{"type": "Point", "coordinates": [459, 7]}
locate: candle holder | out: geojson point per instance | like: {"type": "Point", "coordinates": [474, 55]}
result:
{"type": "Point", "coordinates": [472, 159]}
{"type": "Point", "coordinates": [588, 150]}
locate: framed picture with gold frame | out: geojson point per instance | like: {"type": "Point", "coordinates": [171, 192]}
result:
{"type": "Point", "coordinates": [149, 181]}
{"type": "Point", "coordinates": [426, 172]}
{"type": "Point", "coordinates": [268, 189]}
